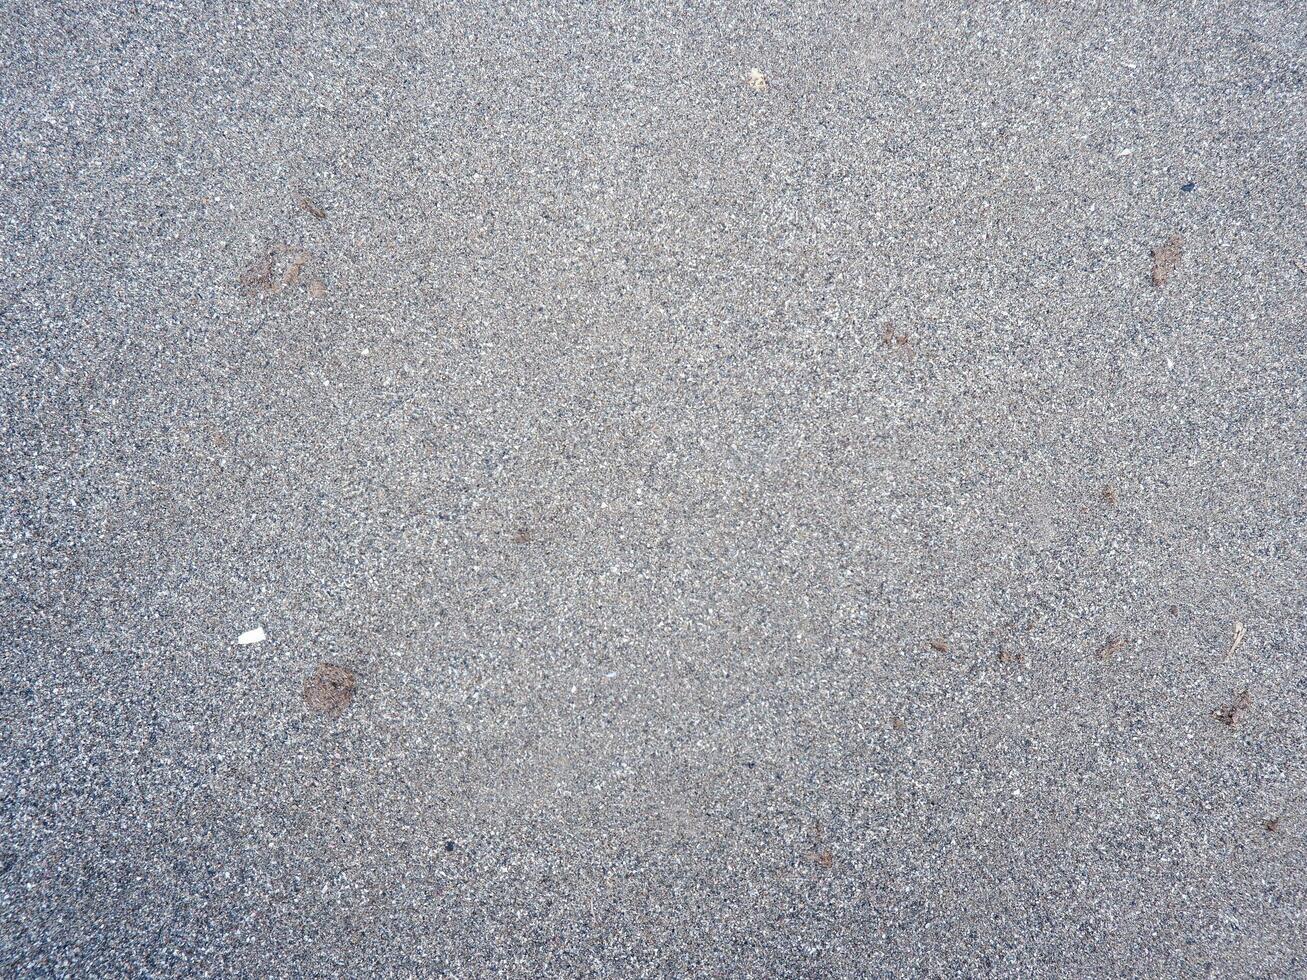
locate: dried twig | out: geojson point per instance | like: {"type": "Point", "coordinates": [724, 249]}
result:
{"type": "Point", "coordinates": [1237, 641]}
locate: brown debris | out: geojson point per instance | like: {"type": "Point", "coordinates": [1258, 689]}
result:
{"type": "Point", "coordinates": [293, 270]}
{"type": "Point", "coordinates": [330, 690]}
{"type": "Point", "coordinates": [260, 279]}
{"type": "Point", "coordinates": [522, 536]}
{"type": "Point", "coordinates": [1109, 495]}
{"type": "Point", "coordinates": [821, 854]}
{"type": "Point", "coordinates": [1165, 259]}
{"type": "Point", "coordinates": [1230, 714]}
{"type": "Point", "coordinates": [939, 646]}
{"type": "Point", "coordinates": [1114, 645]}
{"type": "Point", "coordinates": [898, 724]}
{"type": "Point", "coordinates": [1009, 656]}
{"type": "Point", "coordinates": [891, 338]}
{"type": "Point", "coordinates": [267, 277]}
{"type": "Point", "coordinates": [310, 206]}
{"type": "Point", "coordinates": [1273, 825]}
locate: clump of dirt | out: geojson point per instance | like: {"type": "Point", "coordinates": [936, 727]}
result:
{"type": "Point", "coordinates": [821, 854]}
{"type": "Point", "coordinates": [523, 536]}
{"type": "Point", "coordinates": [330, 690]}
{"type": "Point", "coordinates": [1165, 259]}
{"type": "Point", "coordinates": [278, 268]}
{"type": "Point", "coordinates": [892, 338]}
{"type": "Point", "coordinates": [261, 278]}
{"type": "Point", "coordinates": [1114, 645]}
{"type": "Point", "coordinates": [310, 206]}
{"type": "Point", "coordinates": [1230, 714]}
{"type": "Point", "coordinates": [939, 646]}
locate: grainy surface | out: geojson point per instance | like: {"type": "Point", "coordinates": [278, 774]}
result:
{"type": "Point", "coordinates": [703, 477]}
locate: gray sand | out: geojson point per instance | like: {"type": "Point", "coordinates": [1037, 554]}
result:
{"type": "Point", "coordinates": [780, 533]}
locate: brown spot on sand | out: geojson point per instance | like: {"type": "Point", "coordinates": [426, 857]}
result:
{"type": "Point", "coordinates": [1229, 714]}
{"type": "Point", "coordinates": [1165, 259]}
{"type": "Point", "coordinates": [1114, 645]}
{"type": "Point", "coordinates": [260, 278]}
{"type": "Point", "coordinates": [330, 690]}
{"type": "Point", "coordinates": [310, 206]}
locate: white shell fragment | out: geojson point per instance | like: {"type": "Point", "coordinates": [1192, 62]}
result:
{"type": "Point", "coordinates": [255, 635]}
